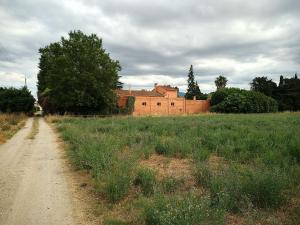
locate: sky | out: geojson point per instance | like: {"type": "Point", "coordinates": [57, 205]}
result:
{"type": "Point", "coordinates": [156, 41]}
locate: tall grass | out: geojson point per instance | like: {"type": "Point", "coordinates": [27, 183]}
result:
{"type": "Point", "coordinates": [260, 155]}
{"type": "Point", "coordinates": [9, 124]}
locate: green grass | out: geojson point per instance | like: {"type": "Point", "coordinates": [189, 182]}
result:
{"type": "Point", "coordinates": [260, 162]}
{"type": "Point", "coordinates": [146, 180]}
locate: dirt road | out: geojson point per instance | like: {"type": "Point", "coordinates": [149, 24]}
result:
{"type": "Point", "coordinates": [33, 188]}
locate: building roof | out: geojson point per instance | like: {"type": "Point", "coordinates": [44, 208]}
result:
{"type": "Point", "coordinates": [143, 93]}
{"type": "Point", "coordinates": [168, 87]}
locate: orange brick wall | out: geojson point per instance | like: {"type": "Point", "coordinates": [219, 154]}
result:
{"type": "Point", "coordinates": [180, 106]}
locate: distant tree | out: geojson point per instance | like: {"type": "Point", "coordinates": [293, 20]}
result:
{"type": "Point", "coordinates": [77, 75]}
{"type": "Point", "coordinates": [287, 93]}
{"type": "Point", "coordinates": [263, 85]}
{"type": "Point", "coordinates": [13, 100]}
{"type": "Point", "coordinates": [296, 76]}
{"type": "Point", "coordinates": [220, 82]}
{"type": "Point", "coordinates": [119, 83]}
{"type": "Point", "coordinates": [193, 87]}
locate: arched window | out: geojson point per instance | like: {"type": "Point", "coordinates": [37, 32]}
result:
{"type": "Point", "coordinates": [144, 103]}
{"type": "Point", "coordinates": [158, 104]}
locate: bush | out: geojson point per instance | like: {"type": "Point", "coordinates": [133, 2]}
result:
{"type": "Point", "coordinates": [146, 179]}
{"type": "Point", "coordinates": [16, 100]}
{"type": "Point", "coordinates": [182, 211]}
{"type": "Point", "coordinates": [220, 95]}
{"type": "Point", "coordinates": [242, 101]}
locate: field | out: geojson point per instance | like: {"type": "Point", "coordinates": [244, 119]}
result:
{"type": "Point", "coordinates": [206, 169]}
{"type": "Point", "coordinates": [10, 124]}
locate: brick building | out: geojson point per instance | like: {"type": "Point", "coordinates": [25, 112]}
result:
{"type": "Point", "coordinates": [162, 100]}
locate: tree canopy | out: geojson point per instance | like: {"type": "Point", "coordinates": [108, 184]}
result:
{"type": "Point", "coordinates": [287, 93]}
{"type": "Point", "coordinates": [263, 85]}
{"type": "Point", "coordinates": [220, 82]}
{"type": "Point", "coordinates": [13, 100]}
{"type": "Point", "coordinates": [193, 87]}
{"type": "Point", "coordinates": [77, 75]}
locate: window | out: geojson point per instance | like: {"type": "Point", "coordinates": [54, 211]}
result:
{"type": "Point", "coordinates": [172, 104]}
{"type": "Point", "coordinates": [144, 103]}
{"type": "Point", "coordinates": [159, 104]}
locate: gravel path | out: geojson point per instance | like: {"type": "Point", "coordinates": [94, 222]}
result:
{"type": "Point", "coordinates": [33, 187]}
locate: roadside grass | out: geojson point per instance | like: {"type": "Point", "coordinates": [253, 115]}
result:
{"type": "Point", "coordinates": [34, 128]}
{"type": "Point", "coordinates": [10, 124]}
{"type": "Point", "coordinates": [240, 164]}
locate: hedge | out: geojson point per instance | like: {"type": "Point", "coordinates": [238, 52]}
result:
{"type": "Point", "coordinates": [234, 100]}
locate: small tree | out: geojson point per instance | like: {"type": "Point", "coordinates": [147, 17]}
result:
{"type": "Point", "coordinates": [193, 87]}
{"type": "Point", "coordinates": [221, 82]}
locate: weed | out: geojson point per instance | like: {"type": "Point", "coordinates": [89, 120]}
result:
{"type": "Point", "coordinates": [146, 180]}
{"type": "Point", "coordinates": [182, 211]}
{"type": "Point", "coordinates": [170, 184]}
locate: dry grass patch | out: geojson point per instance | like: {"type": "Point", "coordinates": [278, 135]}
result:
{"type": "Point", "coordinates": [10, 124]}
{"type": "Point", "coordinates": [177, 168]}
{"type": "Point", "coordinates": [34, 128]}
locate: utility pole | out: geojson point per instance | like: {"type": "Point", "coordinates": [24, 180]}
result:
{"type": "Point", "coordinates": [25, 81]}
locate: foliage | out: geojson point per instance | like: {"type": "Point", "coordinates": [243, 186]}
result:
{"type": "Point", "coordinates": [182, 211]}
{"type": "Point", "coordinates": [146, 180]}
{"type": "Point", "coordinates": [129, 105]}
{"type": "Point", "coordinates": [14, 100]}
{"type": "Point", "coordinates": [263, 85]}
{"type": "Point", "coordinates": [287, 93]}
{"type": "Point", "coordinates": [242, 101]}
{"type": "Point", "coordinates": [220, 82]}
{"type": "Point", "coordinates": [77, 76]}
{"type": "Point", "coordinates": [193, 87]}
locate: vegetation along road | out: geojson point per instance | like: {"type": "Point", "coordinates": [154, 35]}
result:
{"type": "Point", "coordinates": [33, 190]}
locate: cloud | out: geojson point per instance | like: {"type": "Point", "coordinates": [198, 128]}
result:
{"type": "Point", "coordinates": [156, 41]}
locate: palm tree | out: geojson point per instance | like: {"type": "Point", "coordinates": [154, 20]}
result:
{"type": "Point", "coordinates": [220, 82]}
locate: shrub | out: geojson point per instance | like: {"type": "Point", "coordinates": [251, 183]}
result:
{"type": "Point", "coordinates": [16, 100]}
{"type": "Point", "coordinates": [146, 179]}
{"type": "Point", "coordinates": [220, 95]}
{"type": "Point", "coordinates": [242, 101]}
{"type": "Point", "coordinates": [181, 211]}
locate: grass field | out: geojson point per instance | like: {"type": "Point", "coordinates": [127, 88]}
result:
{"type": "Point", "coordinates": [10, 124]}
{"type": "Point", "coordinates": [206, 169]}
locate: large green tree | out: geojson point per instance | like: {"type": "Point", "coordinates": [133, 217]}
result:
{"type": "Point", "coordinates": [263, 85]}
{"type": "Point", "coordinates": [77, 75]}
{"type": "Point", "coordinates": [193, 87]}
{"type": "Point", "coordinates": [220, 82]}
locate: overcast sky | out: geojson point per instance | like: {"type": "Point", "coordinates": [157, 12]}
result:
{"type": "Point", "coordinates": [158, 40]}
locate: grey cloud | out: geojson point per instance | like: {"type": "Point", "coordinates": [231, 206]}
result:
{"type": "Point", "coordinates": [238, 39]}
